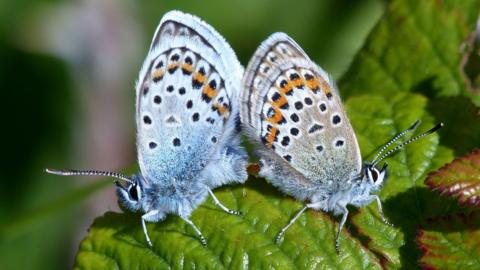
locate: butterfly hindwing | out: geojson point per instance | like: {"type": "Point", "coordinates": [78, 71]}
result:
{"type": "Point", "coordinates": [292, 108]}
{"type": "Point", "coordinates": [186, 99]}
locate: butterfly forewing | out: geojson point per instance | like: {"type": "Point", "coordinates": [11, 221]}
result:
{"type": "Point", "coordinates": [290, 105]}
{"type": "Point", "coordinates": [187, 92]}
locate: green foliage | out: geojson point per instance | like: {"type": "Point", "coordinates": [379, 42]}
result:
{"type": "Point", "coordinates": [234, 242]}
{"type": "Point", "coordinates": [414, 48]}
{"type": "Point", "coordinates": [35, 112]}
{"type": "Point", "coordinates": [408, 69]}
{"type": "Point", "coordinates": [417, 46]}
{"type": "Point", "coordinates": [23, 223]}
{"type": "Point", "coordinates": [406, 201]}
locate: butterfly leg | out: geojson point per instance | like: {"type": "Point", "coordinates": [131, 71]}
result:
{"type": "Point", "coordinates": [199, 233]}
{"type": "Point", "coordinates": [279, 236]}
{"type": "Point", "coordinates": [148, 216]}
{"type": "Point", "coordinates": [344, 210]}
{"type": "Point", "coordinates": [379, 206]}
{"type": "Point", "coordinates": [223, 207]}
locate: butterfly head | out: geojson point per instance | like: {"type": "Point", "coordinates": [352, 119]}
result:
{"type": "Point", "coordinates": [130, 194]}
{"type": "Point", "coordinates": [129, 188]}
{"type": "Point", "coordinates": [369, 182]}
{"type": "Point", "coordinates": [375, 178]}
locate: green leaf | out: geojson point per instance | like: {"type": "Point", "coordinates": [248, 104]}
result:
{"type": "Point", "coordinates": [461, 179]}
{"type": "Point", "coordinates": [405, 199]}
{"type": "Point", "coordinates": [407, 69]}
{"type": "Point", "coordinates": [416, 43]}
{"type": "Point", "coordinates": [414, 48]}
{"type": "Point", "coordinates": [451, 242]}
{"type": "Point", "coordinates": [234, 242]}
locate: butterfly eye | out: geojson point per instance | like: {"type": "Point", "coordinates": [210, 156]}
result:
{"type": "Point", "coordinates": [374, 174]}
{"type": "Point", "coordinates": [132, 191]}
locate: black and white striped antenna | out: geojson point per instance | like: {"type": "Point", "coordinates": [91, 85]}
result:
{"type": "Point", "coordinates": [90, 173]}
{"type": "Point", "coordinates": [376, 160]}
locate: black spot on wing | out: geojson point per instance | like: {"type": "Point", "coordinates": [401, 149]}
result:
{"type": "Point", "coordinates": [336, 119]}
{"type": "Point", "coordinates": [147, 120]}
{"type": "Point", "coordinates": [322, 107]}
{"type": "Point", "coordinates": [285, 141]}
{"type": "Point", "coordinates": [210, 120]}
{"type": "Point", "coordinates": [314, 128]}
{"type": "Point", "coordinates": [294, 131]}
{"type": "Point", "coordinates": [294, 117]}
{"type": "Point", "coordinates": [176, 142]}
{"type": "Point", "coordinates": [298, 105]}
{"type": "Point", "coordinates": [195, 117]}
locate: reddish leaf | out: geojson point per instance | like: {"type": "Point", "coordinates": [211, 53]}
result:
{"type": "Point", "coordinates": [451, 242]}
{"type": "Point", "coordinates": [460, 178]}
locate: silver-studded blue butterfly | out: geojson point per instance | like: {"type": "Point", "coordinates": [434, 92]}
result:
{"type": "Point", "coordinates": [307, 147]}
{"type": "Point", "coordinates": [187, 123]}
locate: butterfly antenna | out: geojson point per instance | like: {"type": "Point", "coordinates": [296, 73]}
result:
{"type": "Point", "coordinates": [90, 173]}
{"type": "Point", "coordinates": [398, 147]}
{"type": "Point", "coordinates": [394, 139]}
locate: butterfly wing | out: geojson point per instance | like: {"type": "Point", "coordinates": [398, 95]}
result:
{"type": "Point", "coordinates": [186, 97]}
{"type": "Point", "coordinates": [291, 107]}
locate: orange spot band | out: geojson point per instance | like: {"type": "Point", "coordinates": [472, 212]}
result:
{"type": "Point", "coordinates": [199, 77]}
{"type": "Point", "coordinates": [172, 66]}
{"type": "Point", "coordinates": [286, 89]}
{"type": "Point", "coordinates": [276, 118]}
{"type": "Point", "coordinates": [222, 110]}
{"type": "Point", "coordinates": [272, 136]}
{"type": "Point", "coordinates": [157, 74]}
{"type": "Point", "coordinates": [280, 102]}
{"type": "Point", "coordinates": [187, 67]}
{"type": "Point", "coordinates": [209, 91]}
{"type": "Point", "coordinates": [326, 88]}
{"type": "Point", "coordinates": [297, 82]}
{"type": "Point", "coordinates": [313, 84]}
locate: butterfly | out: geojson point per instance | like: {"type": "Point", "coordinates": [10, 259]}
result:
{"type": "Point", "coordinates": [187, 97]}
{"type": "Point", "coordinates": [307, 147]}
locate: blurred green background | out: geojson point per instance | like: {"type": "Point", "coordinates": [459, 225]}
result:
{"type": "Point", "coordinates": [68, 69]}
